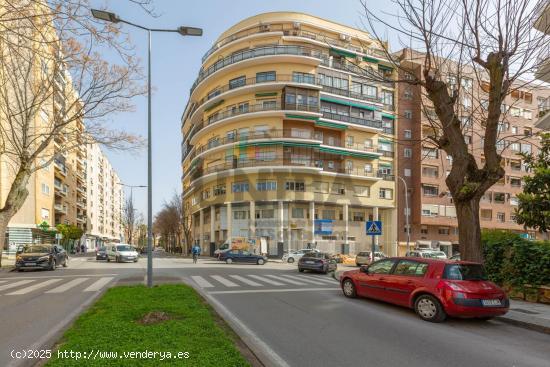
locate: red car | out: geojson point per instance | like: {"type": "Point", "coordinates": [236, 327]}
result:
{"type": "Point", "coordinates": [434, 288]}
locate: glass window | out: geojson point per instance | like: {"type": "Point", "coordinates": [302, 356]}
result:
{"type": "Point", "coordinates": [410, 268]}
{"type": "Point", "coordinates": [266, 76]}
{"type": "Point", "coordinates": [464, 272]}
{"type": "Point", "coordinates": [237, 82]}
{"type": "Point", "coordinates": [297, 212]}
{"type": "Point", "coordinates": [381, 267]}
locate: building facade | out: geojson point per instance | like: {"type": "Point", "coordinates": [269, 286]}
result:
{"type": "Point", "coordinates": [432, 213]}
{"type": "Point", "coordinates": [543, 72]}
{"type": "Point", "coordinates": [288, 137]}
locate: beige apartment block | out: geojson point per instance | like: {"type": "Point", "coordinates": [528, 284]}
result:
{"type": "Point", "coordinates": [432, 213]}
{"type": "Point", "coordinates": [288, 141]}
{"type": "Point", "coordinates": [543, 72]}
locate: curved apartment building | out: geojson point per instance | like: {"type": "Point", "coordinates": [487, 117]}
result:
{"type": "Point", "coordinates": [288, 138]}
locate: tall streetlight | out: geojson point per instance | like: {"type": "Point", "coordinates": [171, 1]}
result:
{"type": "Point", "coordinates": [407, 209]}
{"type": "Point", "coordinates": [184, 31]}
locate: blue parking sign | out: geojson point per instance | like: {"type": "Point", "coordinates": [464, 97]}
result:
{"type": "Point", "coordinates": [374, 227]}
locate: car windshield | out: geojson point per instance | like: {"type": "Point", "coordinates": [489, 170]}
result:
{"type": "Point", "coordinates": [101, 249]}
{"type": "Point", "coordinates": [318, 255]}
{"type": "Point", "coordinates": [464, 272]}
{"type": "Point", "coordinates": [437, 254]}
{"type": "Point", "coordinates": [363, 254]}
{"type": "Point", "coordinates": [125, 248]}
{"type": "Point", "coordinates": [36, 248]}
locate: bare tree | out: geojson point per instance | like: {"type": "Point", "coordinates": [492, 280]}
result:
{"type": "Point", "coordinates": [491, 40]}
{"type": "Point", "coordinates": [56, 87]}
{"type": "Point", "coordinates": [129, 218]}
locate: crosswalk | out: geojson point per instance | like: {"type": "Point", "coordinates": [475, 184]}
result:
{"type": "Point", "coordinates": [258, 281]}
{"type": "Point", "coordinates": [53, 286]}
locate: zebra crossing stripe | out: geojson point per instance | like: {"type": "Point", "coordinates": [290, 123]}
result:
{"type": "Point", "coordinates": [322, 279]}
{"type": "Point", "coordinates": [34, 287]}
{"type": "Point", "coordinates": [16, 284]}
{"type": "Point", "coordinates": [224, 281]}
{"type": "Point", "coordinates": [98, 284]}
{"type": "Point", "coordinates": [266, 280]}
{"type": "Point", "coordinates": [246, 281]}
{"type": "Point", "coordinates": [286, 280]}
{"type": "Point", "coordinates": [303, 278]}
{"type": "Point", "coordinates": [68, 285]}
{"type": "Point", "coordinates": [203, 283]}
{"type": "Point", "coordinates": [3, 281]}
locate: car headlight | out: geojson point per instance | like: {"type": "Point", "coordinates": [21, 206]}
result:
{"type": "Point", "coordinates": [47, 257]}
{"type": "Point", "coordinates": [18, 258]}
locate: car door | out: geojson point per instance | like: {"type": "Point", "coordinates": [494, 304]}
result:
{"type": "Point", "coordinates": [407, 275]}
{"type": "Point", "coordinates": [247, 257]}
{"type": "Point", "coordinates": [372, 282]}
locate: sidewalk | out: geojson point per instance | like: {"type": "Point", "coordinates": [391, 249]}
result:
{"type": "Point", "coordinates": [535, 316]}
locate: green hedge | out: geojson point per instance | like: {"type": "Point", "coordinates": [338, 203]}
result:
{"type": "Point", "coordinates": [513, 261]}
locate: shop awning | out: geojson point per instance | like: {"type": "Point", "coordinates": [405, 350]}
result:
{"type": "Point", "coordinates": [444, 243]}
{"type": "Point", "coordinates": [342, 52]}
{"type": "Point", "coordinates": [346, 153]}
{"type": "Point", "coordinates": [387, 115]}
{"type": "Point", "coordinates": [371, 59]}
{"type": "Point", "coordinates": [331, 125]}
{"type": "Point", "coordinates": [348, 103]}
{"type": "Point", "coordinates": [423, 243]}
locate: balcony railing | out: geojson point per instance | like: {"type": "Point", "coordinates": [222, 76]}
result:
{"type": "Point", "coordinates": [352, 119]}
{"type": "Point", "coordinates": [350, 94]}
{"type": "Point", "coordinates": [366, 72]}
{"type": "Point", "coordinates": [253, 53]}
{"type": "Point", "coordinates": [386, 153]}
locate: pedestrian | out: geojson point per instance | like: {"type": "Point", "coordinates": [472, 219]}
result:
{"type": "Point", "coordinates": [196, 251]}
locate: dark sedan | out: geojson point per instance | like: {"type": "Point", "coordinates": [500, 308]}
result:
{"type": "Point", "coordinates": [242, 256]}
{"type": "Point", "coordinates": [41, 257]}
{"type": "Point", "coordinates": [101, 253]}
{"type": "Point", "coordinates": [317, 261]}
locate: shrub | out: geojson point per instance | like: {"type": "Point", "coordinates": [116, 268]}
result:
{"type": "Point", "coordinates": [513, 261]}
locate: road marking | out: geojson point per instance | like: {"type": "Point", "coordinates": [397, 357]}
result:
{"type": "Point", "coordinates": [3, 281]}
{"type": "Point", "coordinates": [224, 281]}
{"type": "Point", "coordinates": [321, 279]}
{"type": "Point", "coordinates": [286, 280]}
{"type": "Point", "coordinates": [303, 278]}
{"type": "Point", "coordinates": [13, 285]}
{"type": "Point", "coordinates": [98, 284]}
{"type": "Point", "coordinates": [34, 287]}
{"type": "Point", "coordinates": [274, 290]}
{"type": "Point", "coordinates": [203, 283]}
{"type": "Point", "coordinates": [62, 276]}
{"type": "Point", "coordinates": [268, 281]}
{"type": "Point", "coordinates": [67, 286]}
{"type": "Point", "coordinates": [246, 281]}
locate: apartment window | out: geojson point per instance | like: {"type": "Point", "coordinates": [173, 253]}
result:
{"type": "Point", "coordinates": [526, 148]}
{"type": "Point", "coordinates": [45, 213]}
{"type": "Point", "coordinates": [430, 190]}
{"type": "Point", "coordinates": [514, 147]}
{"type": "Point", "coordinates": [321, 187]}
{"type": "Point", "coordinates": [361, 190]}
{"type": "Point", "coordinates": [443, 230]}
{"type": "Point", "coordinates": [385, 193]}
{"type": "Point", "coordinates": [295, 186]}
{"type": "Point", "coordinates": [266, 185]}
{"type": "Point", "coordinates": [515, 111]}
{"type": "Point", "coordinates": [240, 214]}
{"type": "Point", "coordinates": [300, 133]}
{"type": "Point", "coordinates": [329, 214]}
{"type": "Point", "coordinates": [527, 132]}
{"type": "Point", "coordinates": [407, 152]}
{"type": "Point", "coordinates": [303, 77]}
{"type": "Point", "coordinates": [430, 171]}
{"type": "Point", "coordinates": [513, 217]}
{"type": "Point", "coordinates": [338, 189]}
{"type": "Point", "coordinates": [45, 189]}
{"type": "Point", "coordinates": [194, 200]}
{"type": "Point", "coordinates": [501, 217]}
{"type": "Point", "coordinates": [368, 168]}
{"type": "Point", "coordinates": [430, 152]}
{"type": "Point", "coordinates": [237, 82]}
{"type": "Point", "coordinates": [407, 172]}
{"type": "Point", "coordinates": [240, 187]}
{"type": "Point", "coordinates": [265, 214]}
{"type": "Point", "coordinates": [297, 212]}
{"type": "Point", "coordinates": [424, 230]}
{"type": "Point", "coordinates": [350, 140]}
{"type": "Point", "coordinates": [387, 97]}
{"type": "Point", "coordinates": [408, 93]}
{"type": "Point", "coordinates": [515, 181]}
{"type": "Point", "coordinates": [266, 155]}
{"type": "Point", "coordinates": [528, 114]}
{"type": "Point", "coordinates": [205, 194]}
{"type": "Point", "coordinates": [467, 139]}
{"type": "Point", "coordinates": [266, 76]}
{"type": "Point", "coordinates": [486, 214]}
{"type": "Point", "coordinates": [407, 134]}
{"type": "Point", "coordinates": [408, 114]}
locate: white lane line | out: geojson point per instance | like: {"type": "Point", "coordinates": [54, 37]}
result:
{"type": "Point", "coordinates": [34, 287]}
{"type": "Point", "coordinates": [98, 284]}
{"type": "Point", "coordinates": [322, 279]}
{"type": "Point", "coordinates": [203, 283]}
{"type": "Point", "coordinates": [67, 286]}
{"type": "Point", "coordinates": [302, 278]}
{"type": "Point", "coordinates": [286, 280]}
{"type": "Point", "coordinates": [3, 281]}
{"type": "Point", "coordinates": [265, 280]}
{"type": "Point", "coordinates": [64, 276]}
{"type": "Point", "coordinates": [274, 290]}
{"type": "Point", "coordinates": [246, 281]}
{"type": "Point", "coordinates": [224, 281]}
{"type": "Point", "coordinates": [16, 284]}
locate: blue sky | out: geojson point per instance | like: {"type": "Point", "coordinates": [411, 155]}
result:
{"type": "Point", "coordinates": [175, 63]}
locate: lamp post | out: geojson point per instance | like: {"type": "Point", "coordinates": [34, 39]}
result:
{"type": "Point", "coordinates": [184, 31]}
{"type": "Point", "coordinates": [408, 211]}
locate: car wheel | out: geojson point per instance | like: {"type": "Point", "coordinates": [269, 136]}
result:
{"type": "Point", "coordinates": [19, 269]}
{"type": "Point", "coordinates": [65, 262]}
{"type": "Point", "coordinates": [108, 259]}
{"type": "Point", "coordinates": [300, 270]}
{"type": "Point", "coordinates": [325, 270]}
{"type": "Point", "coordinates": [136, 260]}
{"type": "Point", "coordinates": [117, 259]}
{"type": "Point", "coordinates": [290, 260]}
{"type": "Point", "coordinates": [261, 261]}
{"type": "Point", "coordinates": [349, 288]}
{"type": "Point", "coordinates": [429, 308]}
{"type": "Point", "coordinates": [228, 261]}
{"type": "Point", "coordinates": [357, 264]}
{"type": "Point", "coordinates": [53, 265]}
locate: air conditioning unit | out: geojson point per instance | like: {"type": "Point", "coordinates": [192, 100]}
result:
{"type": "Point", "coordinates": [296, 25]}
{"type": "Point", "coordinates": [345, 38]}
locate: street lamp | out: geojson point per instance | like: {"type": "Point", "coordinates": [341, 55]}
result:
{"type": "Point", "coordinates": [184, 31]}
{"type": "Point", "coordinates": [407, 212]}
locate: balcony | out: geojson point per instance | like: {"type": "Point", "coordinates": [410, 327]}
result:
{"type": "Point", "coordinates": [386, 153]}
{"type": "Point", "coordinates": [366, 72]}
{"type": "Point", "coordinates": [60, 166]}
{"type": "Point", "coordinates": [350, 94]}
{"type": "Point", "coordinates": [352, 120]}
{"type": "Point", "coordinates": [59, 208]}
{"type": "Point", "coordinates": [255, 53]}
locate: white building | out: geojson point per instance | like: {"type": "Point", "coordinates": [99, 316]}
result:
{"type": "Point", "coordinates": [543, 72]}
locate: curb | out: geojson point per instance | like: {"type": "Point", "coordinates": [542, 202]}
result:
{"type": "Point", "coordinates": [545, 329]}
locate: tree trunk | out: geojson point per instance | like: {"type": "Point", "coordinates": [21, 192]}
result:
{"type": "Point", "coordinates": [469, 230]}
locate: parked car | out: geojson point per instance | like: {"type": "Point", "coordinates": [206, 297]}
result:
{"type": "Point", "coordinates": [242, 256]}
{"type": "Point", "coordinates": [295, 255]}
{"type": "Point", "coordinates": [456, 256]}
{"type": "Point", "coordinates": [101, 253]}
{"type": "Point", "coordinates": [223, 247]}
{"type": "Point", "coordinates": [317, 261]}
{"type": "Point", "coordinates": [434, 288]}
{"type": "Point", "coordinates": [122, 253]}
{"type": "Point", "coordinates": [364, 257]}
{"type": "Point", "coordinates": [426, 253]}
{"type": "Point", "coordinates": [40, 257]}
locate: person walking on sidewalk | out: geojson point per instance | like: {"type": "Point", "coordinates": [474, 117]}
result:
{"type": "Point", "coordinates": [196, 251]}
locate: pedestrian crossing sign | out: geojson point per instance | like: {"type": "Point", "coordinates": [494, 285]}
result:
{"type": "Point", "coordinates": [374, 227]}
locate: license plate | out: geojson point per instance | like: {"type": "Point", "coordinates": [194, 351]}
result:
{"type": "Point", "coordinates": [130, 257]}
{"type": "Point", "coordinates": [491, 302]}
{"type": "Point", "coordinates": [310, 262]}
{"type": "Point", "coordinates": [30, 264]}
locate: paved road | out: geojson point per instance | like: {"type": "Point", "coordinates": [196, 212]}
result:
{"type": "Point", "coordinates": [301, 318]}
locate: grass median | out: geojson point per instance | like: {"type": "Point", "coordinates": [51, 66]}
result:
{"type": "Point", "coordinates": [167, 318]}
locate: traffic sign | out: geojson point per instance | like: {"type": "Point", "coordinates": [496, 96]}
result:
{"type": "Point", "coordinates": [374, 227]}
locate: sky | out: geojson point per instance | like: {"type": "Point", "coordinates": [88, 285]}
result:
{"type": "Point", "coordinates": [176, 61]}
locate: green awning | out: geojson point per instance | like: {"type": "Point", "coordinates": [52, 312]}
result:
{"type": "Point", "coordinates": [301, 117]}
{"type": "Point", "coordinates": [266, 94]}
{"type": "Point", "coordinates": [331, 124]}
{"type": "Point", "coordinates": [348, 103]}
{"type": "Point", "coordinates": [346, 153]}
{"type": "Point", "coordinates": [387, 115]}
{"type": "Point", "coordinates": [384, 67]}
{"type": "Point", "coordinates": [342, 52]}
{"type": "Point", "coordinates": [206, 109]}
{"type": "Point", "coordinates": [370, 59]}
{"type": "Point", "coordinates": [381, 164]}
{"type": "Point", "coordinates": [305, 145]}
{"type": "Point", "coordinates": [259, 144]}
{"type": "Point", "coordinates": [381, 140]}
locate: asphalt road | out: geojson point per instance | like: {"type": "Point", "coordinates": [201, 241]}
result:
{"type": "Point", "coordinates": [298, 319]}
